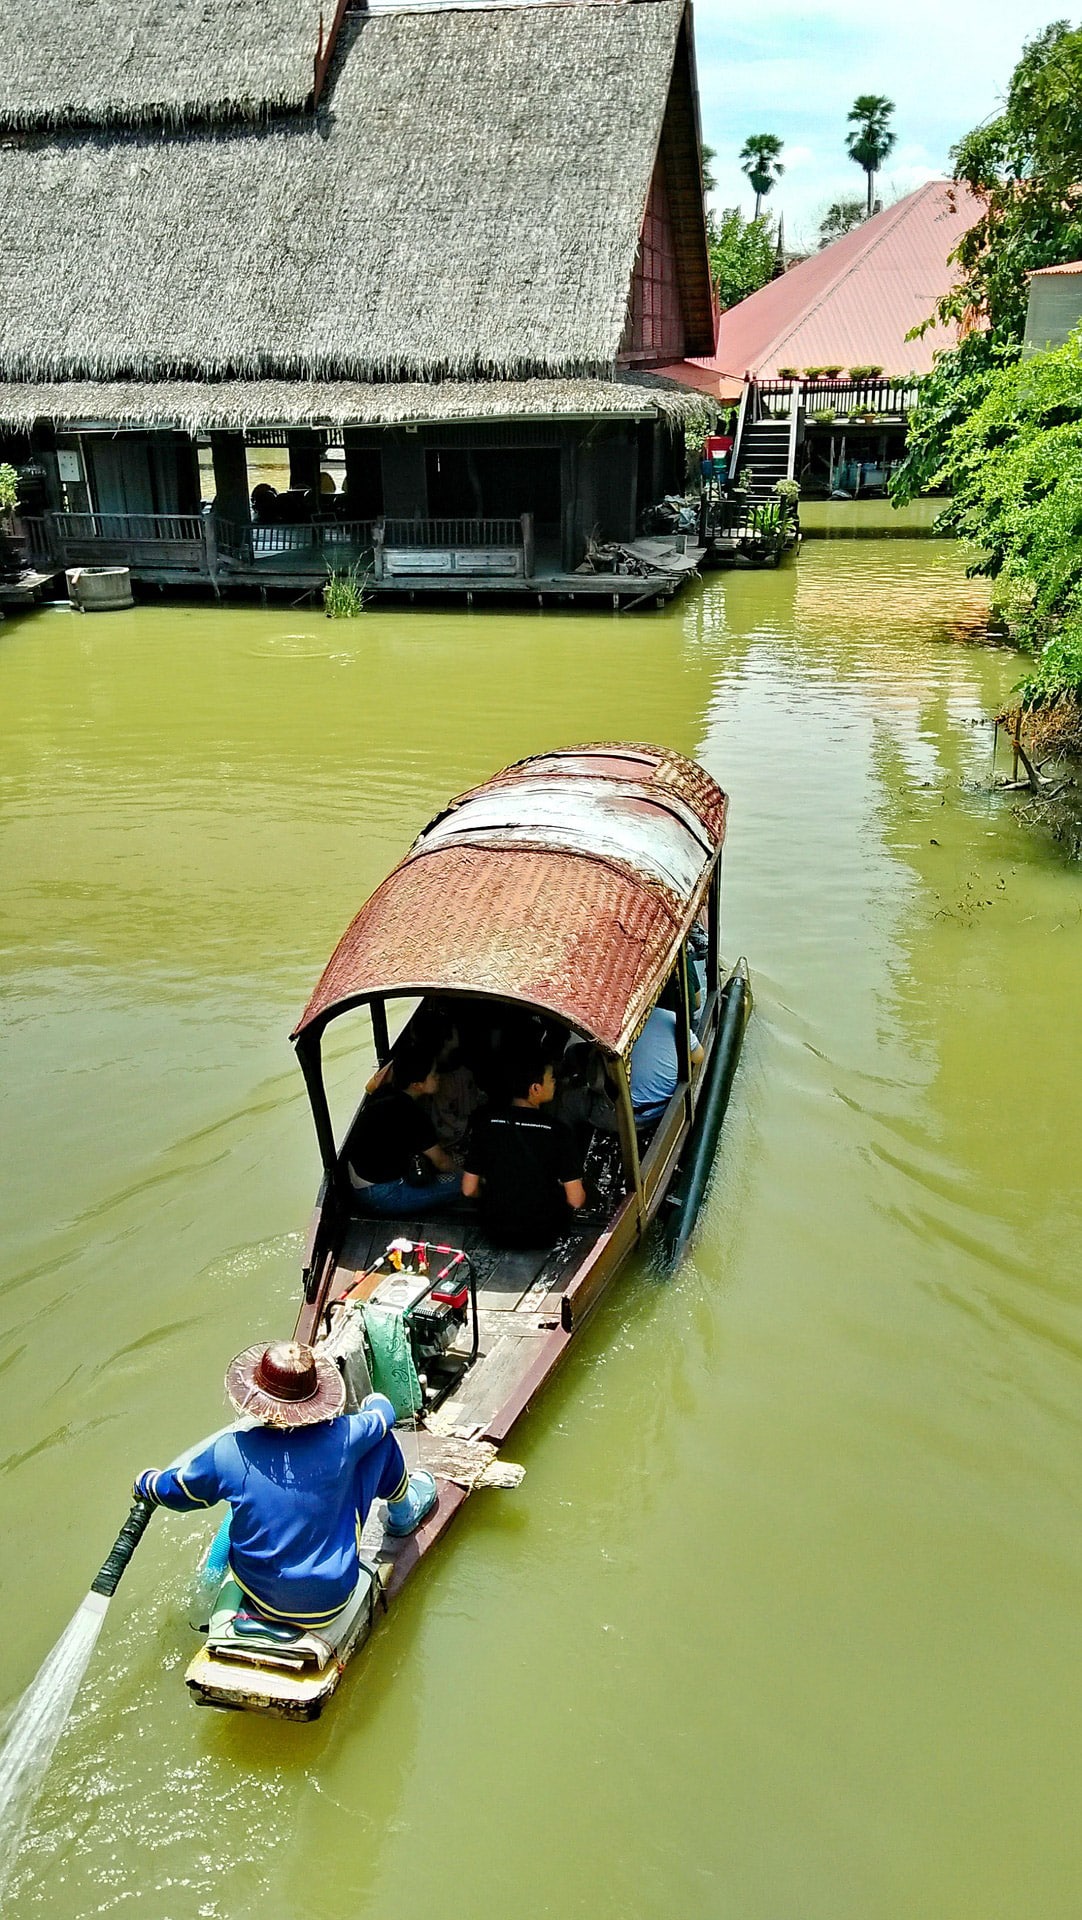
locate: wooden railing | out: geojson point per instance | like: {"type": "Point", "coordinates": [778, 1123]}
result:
{"type": "Point", "coordinates": [762, 522]}
{"type": "Point", "coordinates": [174, 540]}
{"type": "Point", "coordinates": [873, 395]}
{"type": "Point", "coordinates": [324, 536]}
{"type": "Point", "coordinates": [33, 532]}
{"type": "Point", "coordinates": [474, 549]}
{"type": "Point", "coordinates": [204, 543]}
{"type": "Point", "coordinates": [452, 533]}
{"type": "Point", "coordinates": [182, 529]}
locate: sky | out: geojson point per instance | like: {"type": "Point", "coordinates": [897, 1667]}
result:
{"type": "Point", "coordinates": [794, 68]}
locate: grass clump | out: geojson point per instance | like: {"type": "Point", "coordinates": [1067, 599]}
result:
{"type": "Point", "coordinates": [347, 592]}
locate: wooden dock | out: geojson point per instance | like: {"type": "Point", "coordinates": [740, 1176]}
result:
{"type": "Point", "coordinates": [436, 559]}
{"type": "Point", "coordinates": [27, 590]}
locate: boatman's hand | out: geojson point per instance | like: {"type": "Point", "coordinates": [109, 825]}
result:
{"type": "Point", "coordinates": [143, 1484]}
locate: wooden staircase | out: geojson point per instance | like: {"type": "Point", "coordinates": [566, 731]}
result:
{"type": "Point", "coordinates": [766, 455]}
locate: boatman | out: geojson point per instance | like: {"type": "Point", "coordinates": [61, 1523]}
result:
{"type": "Point", "coordinates": [299, 1479]}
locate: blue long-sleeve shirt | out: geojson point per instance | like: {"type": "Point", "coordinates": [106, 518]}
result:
{"type": "Point", "coordinates": [299, 1500]}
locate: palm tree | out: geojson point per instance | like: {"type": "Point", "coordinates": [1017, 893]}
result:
{"type": "Point", "coordinates": [759, 160]}
{"type": "Point", "coordinates": [872, 136]}
{"type": "Point", "coordinates": [840, 218]}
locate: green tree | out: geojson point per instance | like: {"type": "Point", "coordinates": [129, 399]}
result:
{"type": "Point", "coordinates": [871, 137]}
{"type": "Point", "coordinates": [741, 255]}
{"type": "Point", "coordinates": [1022, 167]}
{"type": "Point", "coordinates": [840, 218]}
{"type": "Point", "coordinates": [1005, 434]}
{"type": "Point", "coordinates": [760, 159]}
{"type": "Point", "coordinates": [1014, 466]}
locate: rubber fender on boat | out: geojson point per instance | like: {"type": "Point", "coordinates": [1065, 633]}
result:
{"type": "Point", "coordinates": [689, 1187]}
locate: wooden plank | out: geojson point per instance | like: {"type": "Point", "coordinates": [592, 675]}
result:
{"type": "Point", "coordinates": [418, 560]}
{"type": "Point", "coordinates": [594, 1275]}
{"type": "Point", "coordinates": [485, 560]}
{"type": "Point", "coordinates": [463, 1461]}
{"type": "Point", "coordinates": [545, 1356]}
{"type": "Point", "coordinates": [493, 1381]}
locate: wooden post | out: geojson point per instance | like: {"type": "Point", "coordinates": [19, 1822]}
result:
{"type": "Point", "coordinates": [210, 546]}
{"type": "Point", "coordinates": [527, 545]}
{"type": "Point", "coordinates": [231, 477]}
{"type": "Point", "coordinates": [380, 1034]}
{"type": "Point", "coordinates": [629, 1139]}
{"type": "Point", "coordinates": [713, 929]}
{"type": "Point", "coordinates": [305, 455]}
{"type": "Point", "coordinates": [378, 561]}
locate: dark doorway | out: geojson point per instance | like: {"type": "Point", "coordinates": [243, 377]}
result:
{"type": "Point", "coordinates": [490, 483]}
{"type": "Point", "coordinates": [362, 490]}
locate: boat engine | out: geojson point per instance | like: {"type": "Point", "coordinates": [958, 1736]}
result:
{"type": "Point", "coordinates": [432, 1291]}
{"type": "Point", "coordinates": [437, 1314]}
{"type": "Point", "coordinates": [435, 1321]}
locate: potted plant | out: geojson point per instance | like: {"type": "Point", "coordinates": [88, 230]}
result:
{"type": "Point", "coordinates": [788, 491]}
{"type": "Point", "coordinates": [823, 416]}
{"type": "Point", "coordinates": [788, 373]}
{"type": "Point", "coordinates": [865, 373]}
{"type": "Point", "coordinates": [11, 565]}
{"type": "Point", "coordinates": [812, 373]}
{"type": "Point", "coordinates": [830, 373]}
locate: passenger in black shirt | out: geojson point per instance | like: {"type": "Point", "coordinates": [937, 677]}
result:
{"type": "Point", "coordinates": [526, 1168]}
{"type": "Point", "coordinates": [396, 1166]}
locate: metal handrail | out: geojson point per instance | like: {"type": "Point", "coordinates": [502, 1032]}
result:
{"type": "Point", "coordinates": [741, 423]}
{"type": "Point", "coordinates": [794, 416]}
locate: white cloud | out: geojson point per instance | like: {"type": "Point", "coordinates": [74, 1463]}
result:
{"type": "Point", "coordinates": [793, 67]}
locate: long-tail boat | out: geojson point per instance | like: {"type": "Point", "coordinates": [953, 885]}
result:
{"type": "Point", "coordinates": [580, 886]}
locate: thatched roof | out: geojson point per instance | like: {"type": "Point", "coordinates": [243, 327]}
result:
{"type": "Point", "coordinates": [467, 205]}
{"type": "Point", "coordinates": [106, 61]}
{"type": "Point", "coordinates": [196, 406]}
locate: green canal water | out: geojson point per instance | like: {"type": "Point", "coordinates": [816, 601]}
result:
{"type": "Point", "coordinates": [785, 1622]}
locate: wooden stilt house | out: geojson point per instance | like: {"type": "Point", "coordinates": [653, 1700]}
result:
{"type": "Point", "coordinates": [403, 278]}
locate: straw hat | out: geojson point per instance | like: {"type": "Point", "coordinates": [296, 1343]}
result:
{"type": "Point", "coordinates": [285, 1385]}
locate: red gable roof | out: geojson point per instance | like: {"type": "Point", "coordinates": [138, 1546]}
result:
{"type": "Point", "coordinates": [853, 303]}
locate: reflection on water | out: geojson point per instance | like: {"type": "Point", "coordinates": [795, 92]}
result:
{"type": "Point", "coordinates": [785, 1617]}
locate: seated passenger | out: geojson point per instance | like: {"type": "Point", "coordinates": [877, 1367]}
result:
{"type": "Point", "coordinates": [457, 1096]}
{"type": "Point", "coordinates": [655, 1066]}
{"type": "Point", "coordinates": [583, 1097]}
{"type": "Point", "coordinates": [526, 1168]}
{"type": "Point", "coordinates": [396, 1165]}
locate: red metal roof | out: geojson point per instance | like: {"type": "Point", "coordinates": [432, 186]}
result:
{"type": "Point", "coordinates": [1071, 266]}
{"type": "Point", "coordinates": [853, 303]}
{"type": "Point", "coordinates": [566, 883]}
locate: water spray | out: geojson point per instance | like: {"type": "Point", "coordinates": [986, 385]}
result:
{"type": "Point", "coordinates": [39, 1719]}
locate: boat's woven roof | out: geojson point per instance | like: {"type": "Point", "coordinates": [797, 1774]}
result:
{"type": "Point", "coordinates": [566, 883]}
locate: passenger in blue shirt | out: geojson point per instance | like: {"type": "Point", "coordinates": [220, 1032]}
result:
{"type": "Point", "coordinates": [655, 1066]}
{"type": "Point", "coordinates": [299, 1482]}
